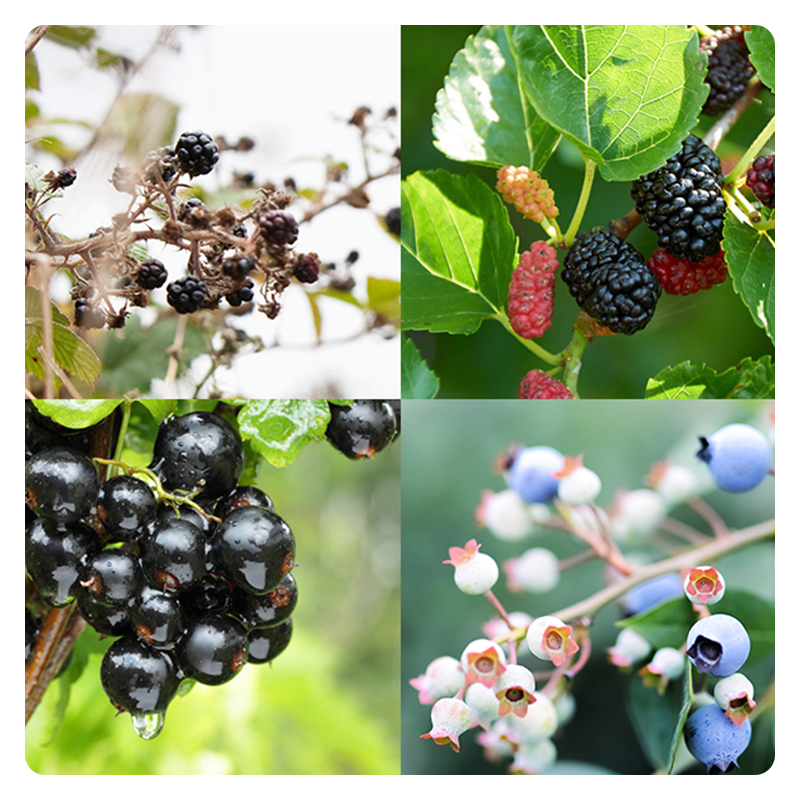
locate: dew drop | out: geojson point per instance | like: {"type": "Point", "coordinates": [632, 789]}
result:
{"type": "Point", "coordinates": [148, 726]}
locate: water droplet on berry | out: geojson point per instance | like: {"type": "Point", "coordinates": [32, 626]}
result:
{"type": "Point", "coordinates": [148, 726]}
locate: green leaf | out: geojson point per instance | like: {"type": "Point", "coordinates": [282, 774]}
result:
{"type": "Point", "coordinates": [687, 381]}
{"type": "Point", "coordinates": [686, 707]}
{"type": "Point", "coordinates": [160, 409]}
{"type": "Point", "coordinates": [663, 626]}
{"type": "Point", "coordinates": [384, 298]}
{"type": "Point", "coordinates": [481, 115]}
{"type": "Point", "coordinates": [417, 380]}
{"type": "Point", "coordinates": [33, 178]}
{"type": "Point", "coordinates": [142, 121]}
{"type": "Point", "coordinates": [761, 44]}
{"type": "Point", "coordinates": [625, 95]}
{"type": "Point", "coordinates": [758, 617]}
{"type": "Point", "coordinates": [76, 414]}
{"type": "Point", "coordinates": [750, 255]}
{"type": "Point", "coordinates": [31, 72]}
{"type": "Point", "coordinates": [464, 251]}
{"type": "Point", "coordinates": [655, 718]}
{"type": "Point", "coordinates": [279, 429]}
{"type": "Point", "coordinates": [75, 36]}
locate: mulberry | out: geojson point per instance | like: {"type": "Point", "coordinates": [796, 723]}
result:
{"type": "Point", "coordinates": [527, 191]}
{"type": "Point", "coordinates": [531, 291]}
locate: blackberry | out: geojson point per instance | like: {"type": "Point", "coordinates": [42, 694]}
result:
{"type": "Point", "coordinates": [88, 315]}
{"type": "Point", "coordinates": [186, 295]}
{"type": "Point", "coordinates": [538, 385]}
{"type": "Point", "coordinates": [761, 179]}
{"type": "Point", "coordinates": [362, 429]}
{"type": "Point", "coordinates": [161, 161]}
{"type": "Point", "coordinates": [238, 267]}
{"type": "Point", "coordinates": [729, 68]}
{"type": "Point", "coordinates": [682, 201]}
{"type": "Point", "coordinates": [197, 152]}
{"type": "Point", "coordinates": [152, 274]}
{"type": "Point", "coordinates": [279, 227]}
{"type": "Point", "coordinates": [531, 291]}
{"type": "Point", "coordinates": [244, 294]}
{"type": "Point", "coordinates": [306, 268]}
{"type": "Point", "coordinates": [681, 276]}
{"type": "Point", "coordinates": [610, 281]}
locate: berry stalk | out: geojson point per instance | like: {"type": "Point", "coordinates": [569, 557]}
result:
{"type": "Point", "coordinates": [583, 201]}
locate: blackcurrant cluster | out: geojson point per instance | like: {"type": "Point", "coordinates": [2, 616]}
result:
{"type": "Point", "coordinates": [364, 428]}
{"type": "Point", "coordinates": [188, 568]}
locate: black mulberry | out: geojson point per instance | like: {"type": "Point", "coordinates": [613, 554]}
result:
{"type": "Point", "coordinates": [729, 68]}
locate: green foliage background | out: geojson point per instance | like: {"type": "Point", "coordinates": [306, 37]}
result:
{"type": "Point", "coordinates": [328, 705]}
{"type": "Point", "coordinates": [712, 327]}
{"type": "Point", "coordinates": [448, 459]}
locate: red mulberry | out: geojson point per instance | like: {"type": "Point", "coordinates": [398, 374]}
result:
{"type": "Point", "coordinates": [531, 291]}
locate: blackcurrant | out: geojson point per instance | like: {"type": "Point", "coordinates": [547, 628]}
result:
{"type": "Point", "coordinates": [60, 484]}
{"type": "Point", "coordinates": [113, 576]}
{"type": "Point", "coordinates": [173, 554]}
{"type": "Point", "coordinates": [157, 617]}
{"type": "Point", "coordinates": [266, 610]}
{"type": "Point", "coordinates": [106, 620]}
{"type": "Point", "coordinates": [254, 549]}
{"type": "Point", "coordinates": [213, 650]}
{"type": "Point", "coordinates": [362, 429]}
{"type": "Point", "coordinates": [266, 644]}
{"type": "Point", "coordinates": [241, 497]}
{"type": "Point", "coordinates": [199, 450]}
{"type": "Point", "coordinates": [125, 506]}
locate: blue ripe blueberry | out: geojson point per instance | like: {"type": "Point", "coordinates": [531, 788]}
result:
{"type": "Point", "coordinates": [714, 740]}
{"type": "Point", "coordinates": [739, 457]}
{"type": "Point", "coordinates": [652, 593]}
{"type": "Point", "coordinates": [718, 644]}
{"type": "Point", "coordinates": [531, 474]}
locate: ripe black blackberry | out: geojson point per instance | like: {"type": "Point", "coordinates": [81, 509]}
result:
{"type": "Point", "coordinates": [244, 294]}
{"type": "Point", "coordinates": [152, 274]}
{"type": "Point", "coordinates": [197, 152]}
{"type": "Point", "coordinates": [238, 267]}
{"type": "Point", "coordinates": [683, 203]}
{"type": "Point", "coordinates": [186, 295]}
{"type": "Point", "coordinates": [761, 179]}
{"type": "Point", "coordinates": [611, 281]}
{"type": "Point", "coordinates": [729, 68]}
{"type": "Point", "coordinates": [279, 227]}
{"type": "Point", "coordinates": [88, 315]}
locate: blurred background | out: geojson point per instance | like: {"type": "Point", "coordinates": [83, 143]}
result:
{"type": "Point", "coordinates": [448, 460]}
{"type": "Point", "coordinates": [292, 91]}
{"type": "Point", "coordinates": [329, 704]}
{"type": "Point", "coordinates": [712, 327]}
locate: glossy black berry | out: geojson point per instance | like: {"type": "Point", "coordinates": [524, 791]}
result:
{"type": "Point", "coordinates": [395, 404]}
{"type": "Point", "coordinates": [88, 315]}
{"type": "Point", "coordinates": [362, 429]}
{"type": "Point", "coordinates": [157, 617]}
{"type": "Point", "coordinates": [279, 227]}
{"type": "Point", "coordinates": [125, 506]}
{"type": "Point", "coordinates": [188, 514]}
{"type": "Point", "coordinates": [610, 281]}
{"type": "Point", "coordinates": [199, 450]}
{"type": "Point", "coordinates": [105, 619]}
{"type": "Point", "coordinates": [173, 555]}
{"type": "Point", "coordinates": [254, 549]}
{"type": "Point", "coordinates": [138, 678]}
{"type": "Point", "coordinates": [61, 484]}
{"type": "Point", "coordinates": [213, 593]}
{"type": "Point", "coordinates": [152, 274]}
{"type": "Point", "coordinates": [239, 267]}
{"type": "Point", "coordinates": [56, 556]}
{"type": "Point", "coordinates": [266, 610]}
{"type": "Point", "coordinates": [683, 203]}
{"type": "Point", "coordinates": [41, 433]}
{"type": "Point", "coordinates": [214, 649]}
{"type": "Point", "coordinates": [729, 68]}
{"type": "Point", "coordinates": [244, 294]}
{"type": "Point", "coordinates": [393, 217]}
{"type": "Point", "coordinates": [187, 295]}
{"type": "Point", "coordinates": [265, 644]}
{"type": "Point", "coordinates": [197, 152]}
{"type": "Point", "coordinates": [241, 497]}
{"type": "Point", "coordinates": [113, 576]}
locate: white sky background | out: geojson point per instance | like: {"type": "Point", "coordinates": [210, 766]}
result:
{"type": "Point", "coordinates": [289, 89]}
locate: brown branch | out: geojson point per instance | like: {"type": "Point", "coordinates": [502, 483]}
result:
{"type": "Point", "coordinates": [39, 32]}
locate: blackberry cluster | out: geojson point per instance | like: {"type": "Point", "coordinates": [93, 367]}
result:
{"type": "Point", "coordinates": [187, 295]}
{"type": "Point", "coordinates": [611, 281]}
{"type": "Point", "coordinates": [761, 179]}
{"type": "Point", "coordinates": [364, 428]}
{"type": "Point", "coordinates": [197, 152]}
{"type": "Point", "coordinates": [531, 291]}
{"type": "Point", "coordinates": [683, 203]}
{"type": "Point", "coordinates": [729, 68]}
{"type": "Point", "coordinates": [279, 227]}
{"type": "Point", "coordinates": [192, 593]}
{"type": "Point", "coordinates": [538, 385]}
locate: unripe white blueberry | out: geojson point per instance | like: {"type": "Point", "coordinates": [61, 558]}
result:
{"type": "Point", "coordinates": [443, 678]}
{"type": "Point", "coordinates": [450, 718]}
{"type": "Point", "coordinates": [478, 575]}
{"type": "Point", "coordinates": [539, 723]}
{"type": "Point", "coordinates": [638, 515]}
{"type": "Point", "coordinates": [535, 635]}
{"type": "Point", "coordinates": [674, 482]}
{"type": "Point", "coordinates": [629, 648]}
{"type": "Point", "coordinates": [483, 704]}
{"type": "Point", "coordinates": [506, 515]}
{"type": "Point", "coordinates": [732, 688]}
{"type": "Point", "coordinates": [536, 570]}
{"type": "Point", "coordinates": [668, 662]}
{"type": "Point", "coordinates": [532, 758]}
{"type": "Point", "coordinates": [582, 485]}
{"type": "Point", "coordinates": [483, 660]}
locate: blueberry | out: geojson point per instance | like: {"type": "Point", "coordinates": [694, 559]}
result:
{"type": "Point", "coordinates": [718, 644]}
{"type": "Point", "coordinates": [714, 740]}
{"type": "Point", "coordinates": [739, 457]}
{"type": "Point", "coordinates": [531, 474]}
{"type": "Point", "coordinates": [652, 593]}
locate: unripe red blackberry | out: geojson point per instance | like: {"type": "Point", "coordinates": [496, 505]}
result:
{"type": "Point", "coordinates": [761, 179]}
{"type": "Point", "coordinates": [528, 191]}
{"type": "Point", "coordinates": [682, 276]}
{"type": "Point", "coordinates": [538, 385]}
{"type": "Point", "coordinates": [279, 227]}
{"type": "Point", "coordinates": [531, 291]}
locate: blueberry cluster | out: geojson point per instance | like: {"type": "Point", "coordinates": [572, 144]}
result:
{"type": "Point", "coordinates": [189, 569]}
